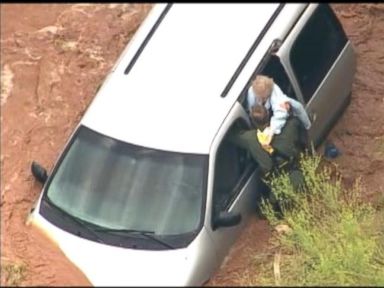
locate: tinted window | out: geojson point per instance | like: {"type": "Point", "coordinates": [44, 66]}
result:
{"type": "Point", "coordinates": [316, 49]}
{"type": "Point", "coordinates": [231, 167]}
{"type": "Point", "coordinates": [118, 185]}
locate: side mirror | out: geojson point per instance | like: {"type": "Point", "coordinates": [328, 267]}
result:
{"type": "Point", "coordinates": [226, 219]}
{"type": "Point", "coordinates": [39, 172]}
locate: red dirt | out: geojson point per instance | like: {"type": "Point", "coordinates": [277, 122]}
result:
{"type": "Point", "coordinates": [53, 56]}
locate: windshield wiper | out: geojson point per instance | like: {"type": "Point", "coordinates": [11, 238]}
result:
{"type": "Point", "coordinates": [79, 221]}
{"type": "Point", "coordinates": [148, 234]}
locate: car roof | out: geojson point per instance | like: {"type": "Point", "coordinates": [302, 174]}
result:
{"type": "Point", "coordinates": [170, 97]}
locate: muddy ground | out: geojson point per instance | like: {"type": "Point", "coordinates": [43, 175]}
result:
{"type": "Point", "coordinates": [53, 56]}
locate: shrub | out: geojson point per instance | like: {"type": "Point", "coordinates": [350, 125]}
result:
{"type": "Point", "coordinates": [335, 238]}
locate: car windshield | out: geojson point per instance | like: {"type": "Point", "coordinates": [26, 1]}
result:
{"type": "Point", "coordinates": [117, 185]}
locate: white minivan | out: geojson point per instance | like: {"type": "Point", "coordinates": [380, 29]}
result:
{"type": "Point", "coordinates": [147, 191]}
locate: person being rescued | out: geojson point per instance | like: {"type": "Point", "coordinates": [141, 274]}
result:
{"type": "Point", "coordinates": [264, 91]}
{"type": "Point", "coordinates": [275, 139]}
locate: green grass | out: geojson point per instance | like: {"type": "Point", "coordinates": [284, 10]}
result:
{"type": "Point", "coordinates": [12, 274]}
{"type": "Point", "coordinates": [336, 239]}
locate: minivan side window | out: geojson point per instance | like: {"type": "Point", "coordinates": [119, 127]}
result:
{"type": "Point", "coordinates": [231, 166]}
{"type": "Point", "coordinates": [316, 48]}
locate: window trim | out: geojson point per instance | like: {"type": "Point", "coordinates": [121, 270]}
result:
{"type": "Point", "coordinates": [241, 181]}
{"type": "Point", "coordinates": [244, 178]}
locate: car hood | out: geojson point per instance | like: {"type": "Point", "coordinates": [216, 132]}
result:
{"type": "Point", "coordinates": [106, 265]}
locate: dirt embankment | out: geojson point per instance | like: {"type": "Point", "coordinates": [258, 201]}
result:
{"type": "Point", "coordinates": [360, 132]}
{"type": "Point", "coordinates": [53, 56]}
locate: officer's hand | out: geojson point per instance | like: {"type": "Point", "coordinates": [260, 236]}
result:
{"type": "Point", "coordinates": [267, 148]}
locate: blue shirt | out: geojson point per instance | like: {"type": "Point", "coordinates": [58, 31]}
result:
{"type": "Point", "coordinates": [279, 114]}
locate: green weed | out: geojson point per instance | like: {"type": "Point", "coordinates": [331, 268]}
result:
{"type": "Point", "coordinates": [335, 238]}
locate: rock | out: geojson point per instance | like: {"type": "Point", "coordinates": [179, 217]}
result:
{"type": "Point", "coordinates": [283, 229]}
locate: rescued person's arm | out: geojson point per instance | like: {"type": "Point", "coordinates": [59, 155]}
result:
{"type": "Point", "coordinates": [299, 111]}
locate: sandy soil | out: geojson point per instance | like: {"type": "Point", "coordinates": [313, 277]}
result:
{"type": "Point", "coordinates": [53, 56]}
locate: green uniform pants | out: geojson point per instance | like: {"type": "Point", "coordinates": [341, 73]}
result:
{"type": "Point", "coordinates": [285, 144]}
